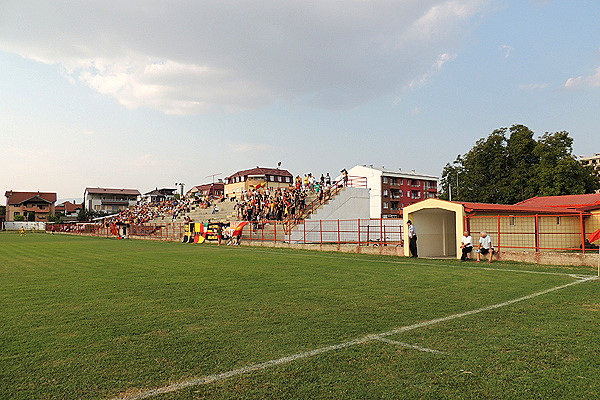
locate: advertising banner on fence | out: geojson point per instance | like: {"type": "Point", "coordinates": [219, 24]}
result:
{"type": "Point", "coordinates": [199, 232]}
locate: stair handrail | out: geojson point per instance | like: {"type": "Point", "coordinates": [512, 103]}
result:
{"type": "Point", "coordinates": [337, 186]}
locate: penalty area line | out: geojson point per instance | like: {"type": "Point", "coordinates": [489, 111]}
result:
{"type": "Point", "coordinates": [311, 353]}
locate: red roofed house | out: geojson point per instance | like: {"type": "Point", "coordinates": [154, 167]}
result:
{"type": "Point", "coordinates": [247, 179]}
{"type": "Point", "coordinates": [209, 189]}
{"type": "Point", "coordinates": [552, 223]}
{"type": "Point", "coordinates": [68, 209]}
{"type": "Point", "coordinates": [109, 200]}
{"type": "Point", "coordinates": [40, 204]}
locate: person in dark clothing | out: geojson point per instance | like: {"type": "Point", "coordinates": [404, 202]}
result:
{"type": "Point", "coordinates": [412, 239]}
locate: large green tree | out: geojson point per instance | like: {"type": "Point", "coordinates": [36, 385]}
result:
{"type": "Point", "coordinates": [510, 165]}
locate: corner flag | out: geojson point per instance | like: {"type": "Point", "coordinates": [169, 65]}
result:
{"type": "Point", "coordinates": [595, 236]}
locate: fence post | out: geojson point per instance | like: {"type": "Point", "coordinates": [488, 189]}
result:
{"type": "Point", "coordinates": [338, 232]}
{"type": "Point", "coordinates": [262, 232]}
{"type": "Point", "coordinates": [381, 234]}
{"type": "Point", "coordinates": [359, 232]}
{"type": "Point", "coordinates": [498, 236]}
{"type": "Point", "coordinates": [274, 232]}
{"type": "Point", "coordinates": [537, 233]}
{"type": "Point", "coordinates": [321, 230]}
{"type": "Point", "coordinates": [384, 240]}
{"type": "Point", "coordinates": [304, 237]}
{"type": "Point", "coordinates": [582, 232]}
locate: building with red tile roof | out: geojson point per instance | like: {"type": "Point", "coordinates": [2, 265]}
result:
{"type": "Point", "coordinates": [248, 179]}
{"type": "Point", "coordinates": [31, 205]}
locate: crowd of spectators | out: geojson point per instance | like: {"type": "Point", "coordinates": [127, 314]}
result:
{"type": "Point", "coordinates": [255, 205]}
{"type": "Point", "coordinates": [283, 204]}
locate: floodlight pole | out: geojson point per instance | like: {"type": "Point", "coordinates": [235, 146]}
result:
{"type": "Point", "coordinates": [181, 185]}
{"type": "Point", "coordinates": [213, 177]}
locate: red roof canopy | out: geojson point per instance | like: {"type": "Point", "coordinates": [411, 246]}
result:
{"type": "Point", "coordinates": [517, 209]}
{"type": "Point", "coordinates": [568, 201]}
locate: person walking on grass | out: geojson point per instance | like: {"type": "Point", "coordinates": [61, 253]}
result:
{"type": "Point", "coordinates": [22, 231]}
{"type": "Point", "coordinates": [412, 239]}
{"type": "Point", "coordinates": [485, 247]}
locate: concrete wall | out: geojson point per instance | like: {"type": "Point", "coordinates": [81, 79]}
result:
{"type": "Point", "coordinates": [349, 203]}
{"type": "Point", "coordinates": [373, 184]}
{"type": "Point", "coordinates": [15, 226]}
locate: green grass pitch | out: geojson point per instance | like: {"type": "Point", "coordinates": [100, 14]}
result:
{"type": "Point", "coordinates": [90, 318]}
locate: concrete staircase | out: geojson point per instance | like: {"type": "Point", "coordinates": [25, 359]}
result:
{"type": "Point", "coordinates": [197, 214]}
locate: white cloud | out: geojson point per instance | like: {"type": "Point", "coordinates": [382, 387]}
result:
{"type": "Point", "coordinates": [435, 69]}
{"type": "Point", "coordinates": [584, 81]}
{"type": "Point", "coordinates": [183, 57]}
{"type": "Point", "coordinates": [506, 50]}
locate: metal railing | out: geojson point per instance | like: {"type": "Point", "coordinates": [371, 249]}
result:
{"type": "Point", "coordinates": [537, 232]}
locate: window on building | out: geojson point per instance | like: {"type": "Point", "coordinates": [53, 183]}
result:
{"type": "Point", "coordinates": [385, 179]}
{"type": "Point", "coordinates": [97, 207]}
{"type": "Point", "coordinates": [385, 193]}
{"type": "Point", "coordinates": [400, 193]}
{"type": "Point", "coordinates": [385, 204]}
{"type": "Point", "coordinates": [557, 220]}
{"type": "Point", "coordinates": [279, 178]}
{"type": "Point", "coordinates": [512, 221]}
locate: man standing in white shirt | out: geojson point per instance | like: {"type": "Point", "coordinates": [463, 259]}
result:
{"type": "Point", "coordinates": [466, 245]}
{"type": "Point", "coordinates": [412, 239]}
{"type": "Point", "coordinates": [485, 246]}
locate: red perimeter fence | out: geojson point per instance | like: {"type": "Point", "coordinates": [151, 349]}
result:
{"type": "Point", "coordinates": [534, 232]}
{"type": "Point", "coordinates": [362, 232]}
{"type": "Point", "coordinates": [520, 233]}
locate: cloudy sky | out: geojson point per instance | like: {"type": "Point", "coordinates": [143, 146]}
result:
{"type": "Point", "coordinates": [146, 93]}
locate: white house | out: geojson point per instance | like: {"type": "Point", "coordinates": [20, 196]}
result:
{"type": "Point", "coordinates": [392, 190]}
{"type": "Point", "coordinates": [109, 200]}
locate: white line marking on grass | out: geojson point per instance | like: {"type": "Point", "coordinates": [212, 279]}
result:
{"type": "Point", "coordinates": [411, 346]}
{"type": "Point", "coordinates": [287, 359]}
{"type": "Point", "coordinates": [578, 276]}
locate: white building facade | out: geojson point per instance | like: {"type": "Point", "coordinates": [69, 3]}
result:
{"type": "Point", "coordinates": [392, 190]}
{"type": "Point", "coordinates": [109, 200]}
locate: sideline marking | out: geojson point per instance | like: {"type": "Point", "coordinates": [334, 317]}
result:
{"type": "Point", "coordinates": [577, 276]}
{"type": "Point", "coordinates": [365, 339]}
{"type": "Point", "coordinates": [410, 346]}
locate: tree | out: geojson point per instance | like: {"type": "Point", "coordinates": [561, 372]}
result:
{"type": "Point", "coordinates": [82, 215]}
{"type": "Point", "coordinates": [510, 166]}
{"type": "Point", "coordinates": [31, 217]}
